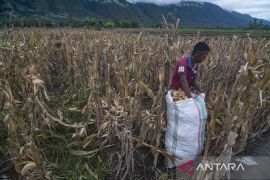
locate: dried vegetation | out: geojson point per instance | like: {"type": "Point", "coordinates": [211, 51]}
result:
{"type": "Point", "coordinates": [80, 103]}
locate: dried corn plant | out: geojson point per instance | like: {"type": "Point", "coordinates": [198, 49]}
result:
{"type": "Point", "coordinates": [101, 95]}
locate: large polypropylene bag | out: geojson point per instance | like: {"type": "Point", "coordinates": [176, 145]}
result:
{"type": "Point", "coordinates": [185, 128]}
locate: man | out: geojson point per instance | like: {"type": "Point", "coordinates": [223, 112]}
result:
{"type": "Point", "coordinates": [186, 70]}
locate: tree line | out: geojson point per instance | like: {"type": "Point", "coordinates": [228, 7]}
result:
{"type": "Point", "coordinates": [258, 25]}
{"type": "Point", "coordinates": [90, 22]}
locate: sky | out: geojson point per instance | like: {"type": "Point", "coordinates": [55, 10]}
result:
{"type": "Point", "coordinates": [255, 8]}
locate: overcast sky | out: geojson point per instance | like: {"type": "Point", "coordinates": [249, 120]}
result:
{"type": "Point", "coordinates": [255, 8]}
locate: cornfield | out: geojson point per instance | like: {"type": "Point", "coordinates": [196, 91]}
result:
{"type": "Point", "coordinates": [78, 103]}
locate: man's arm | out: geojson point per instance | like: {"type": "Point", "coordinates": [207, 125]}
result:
{"type": "Point", "coordinates": [184, 85]}
{"type": "Point", "coordinates": [196, 86]}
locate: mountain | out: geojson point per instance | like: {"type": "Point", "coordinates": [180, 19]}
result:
{"type": "Point", "coordinates": [191, 14]}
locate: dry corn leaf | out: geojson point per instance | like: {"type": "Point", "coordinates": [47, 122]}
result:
{"type": "Point", "coordinates": [105, 125]}
{"type": "Point", "coordinates": [74, 109]}
{"type": "Point", "coordinates": [144, 87]}
{"type": "Point", "coordinates": [84, 109]}
{"type": "Point", "coordinates": [82, 132]}
{"type": "Point", "coordinates": [261, 98]}
{"type": "Point", "coordinates": [84, 153]}
{"type": "Point", "coordinates": [91, 172]}
{"type": "Point", "coordinates": [28, 166]}
{"type": "Point", "coordinates": [48, 175]}
{"type": "Point", "coordinates": [86, 144]}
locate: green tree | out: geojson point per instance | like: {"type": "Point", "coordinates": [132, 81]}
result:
{"type": "Point", "coordinates": [109, 24]}
{"type": "Point", "coordinates": [134, 24]}
{"type": "Point", "coordinates": [124, 24]}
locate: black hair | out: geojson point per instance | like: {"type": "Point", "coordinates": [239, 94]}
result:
{"type": "Point", "coordinates": [200, 47]}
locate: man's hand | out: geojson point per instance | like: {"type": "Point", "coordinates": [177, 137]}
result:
{"type": "Point", "coordinates": [184, 85]}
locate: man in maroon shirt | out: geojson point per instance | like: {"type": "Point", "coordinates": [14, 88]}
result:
{"type": "Point", "coordinates": [186, 70]}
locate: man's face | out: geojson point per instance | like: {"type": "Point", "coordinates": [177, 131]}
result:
{"type": "Point", "coordinates": [199, 57]}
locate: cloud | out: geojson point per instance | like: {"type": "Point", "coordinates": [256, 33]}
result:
{"type": "Point", "coordinates": [255, 8]}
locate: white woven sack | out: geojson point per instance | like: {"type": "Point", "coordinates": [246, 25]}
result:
{"type": "Point", "coordinates": [185, 128]}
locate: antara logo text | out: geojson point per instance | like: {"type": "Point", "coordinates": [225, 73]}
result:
{"type": "Point", "coordinates": [187, 167]}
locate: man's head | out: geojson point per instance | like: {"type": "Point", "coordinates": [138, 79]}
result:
{"type": "Point", "coordinates": [199, 52]}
